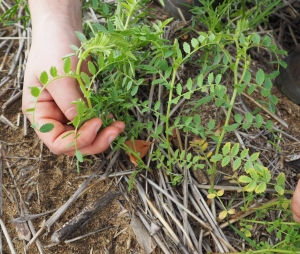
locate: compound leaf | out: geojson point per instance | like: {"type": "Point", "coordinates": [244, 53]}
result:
{"type": "Point", "coordinates": [44, 78]}
{"type": "Point", "coordinates": [280, 180]}
{"type": "Point", "coordinates": [237, 163]}
{"type": "Point", "coordinates": [67, 65]}
{"type": "Point", "coordinates": [266, 174]}
{"type": "Point", "coordinates": [220, 193]}
{"type": "Point", "coordinates": [92, 68]}
{"type": "Point", "coordinates": [226, 148]}
{"type": "Point", "coordinates": [211, 196]}
{"type": "Point", "coordinates": [245, 179]}
{"type": "Point", "coordinates": [35, 91]}
{"type": "Point", "coordinates": [47, 127]}
{"type": "Point", "coordinates": [30, 110]}
{"type": "Point", "coordinates": [254, 157]}
{"type": "Point", "coordinates": [80, 107]}
{"type": "Point", "coordinates": [235, 149]}
{"type": "Point", "coordinates": [53, 71]}
{"type": "Point", "coordinates": [225, 161]}
{"type": "Point", "coordinates": [79, 156]}
{"type": "Point", "coordinates": [186, 47]}
{"type": "Point", "coordinates": [80, 36]}
{"type": "Point", "coordinates": [279, 189]}
{"type": "Point", "coordinates": [223, 215]}
{"type": "Point", "coordinates": [260, 77]}
{"type": "Point", "coordinates": [244, 153]}
{"type": "Point", "coordinates": [216, 157]}
{"type": "Point", "coordinates": [231, 211]}
{"type": "Point", "coordinates": [260, 188]}
{"type": "Point", "coordinates": [85, 78]}
{"type": "Point", "coordinates": [251, 186]}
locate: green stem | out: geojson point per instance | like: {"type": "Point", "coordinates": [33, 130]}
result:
{"type": "Point", "coordinates": [272, 222]}
{"type": "Point", "coordinates": [222, 135]}
{"type": "Point", "coordinates": [168, 114]}
{"type": "Point", "coordinates": [82, 87]}
{"type": "Point", "coordinates": [265, 206]}
{"type": "Point", "coordinates": [130, 14]}
{"type": "Point", "coordinates": [269, 251]}
{"type": "Point", "coordinates": [234, 94]}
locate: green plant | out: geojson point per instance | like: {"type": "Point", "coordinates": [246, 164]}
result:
{"type": "Point", "coordinates": [14, 14]}
{"type": "Point", "coordinates": [129, 53]}
{"type": "Point", "coordinates": [285, 231]}
{"type": "Point", "coordinates": [257, 176]}
{"type": "Point", "coordinates": [223, 214]}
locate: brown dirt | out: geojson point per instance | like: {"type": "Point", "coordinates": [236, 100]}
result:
{"type": "Point", "coordinates": [46, 182]}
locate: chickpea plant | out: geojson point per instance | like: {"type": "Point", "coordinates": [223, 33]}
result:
{"type": "Point", "coordinates": [126, 47]}
{"type": "Point", "coordinates": [129, 51]}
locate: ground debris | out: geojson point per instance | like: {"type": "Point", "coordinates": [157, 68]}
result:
{"type": "Point", "coordinates": [83, 217]}
{"type": "Point", "coordinates": [23, 231]}
{"type": "Point", "coordinates": [142, 235]}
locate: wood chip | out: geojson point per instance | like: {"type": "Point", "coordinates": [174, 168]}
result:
{"type": "Point", "coordinates": [142, 235]}
{"type": "Point", "coordinates": [23, 231]}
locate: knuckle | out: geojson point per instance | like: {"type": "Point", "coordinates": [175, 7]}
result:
{"type": "Point", "coordinates": [82, 142]}
{"type": "Point", "coordinates": [55, 151]}
{"type": "Point", "coordinates": [71, 112]}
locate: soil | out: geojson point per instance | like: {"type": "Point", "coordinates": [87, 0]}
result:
{"type": "Point", "coordinates": [46, 181]}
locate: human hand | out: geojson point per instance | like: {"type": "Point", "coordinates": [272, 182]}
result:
{"type": "Point", "coordinates": [296, 203]}
{"type": "Point", "coordinates": [54, 23]}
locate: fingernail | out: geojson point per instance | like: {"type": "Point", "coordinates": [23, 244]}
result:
{"type": "Point", "coordinates": [111, 139]}
{"type": "Point", "coordinates": [97, 128]}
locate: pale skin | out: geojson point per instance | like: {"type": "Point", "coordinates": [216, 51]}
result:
{"type": "Point", "coordinates": [296, 203]}
{"type": "Point", "coordinates": [53, 26]}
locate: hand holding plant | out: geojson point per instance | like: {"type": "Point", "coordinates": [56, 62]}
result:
{"type": "Point", "coordinates": [53, 32]}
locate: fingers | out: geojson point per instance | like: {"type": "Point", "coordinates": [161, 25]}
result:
{"type": "Point", "coordinates": [102, 140]}
{"type": "Point", "coordinates": [47, 110]}
{"type": "Point", "coordinates": [60, 140]}
{"type": "Point", "coordinates": [90, 140]}
{"type": "Point", "coordinates": [296, 203]}
{"type": "Point", "coordinates": [64, 91]}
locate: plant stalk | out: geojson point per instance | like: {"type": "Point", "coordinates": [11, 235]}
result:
{"type": "Point", "coordinates": [168, 114]}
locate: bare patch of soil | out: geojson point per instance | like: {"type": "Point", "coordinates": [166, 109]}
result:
{"type": "Point", "coordinates": [46, 182]}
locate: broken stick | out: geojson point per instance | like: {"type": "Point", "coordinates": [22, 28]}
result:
{"type": "Point", "coordinates": [80, 219]}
